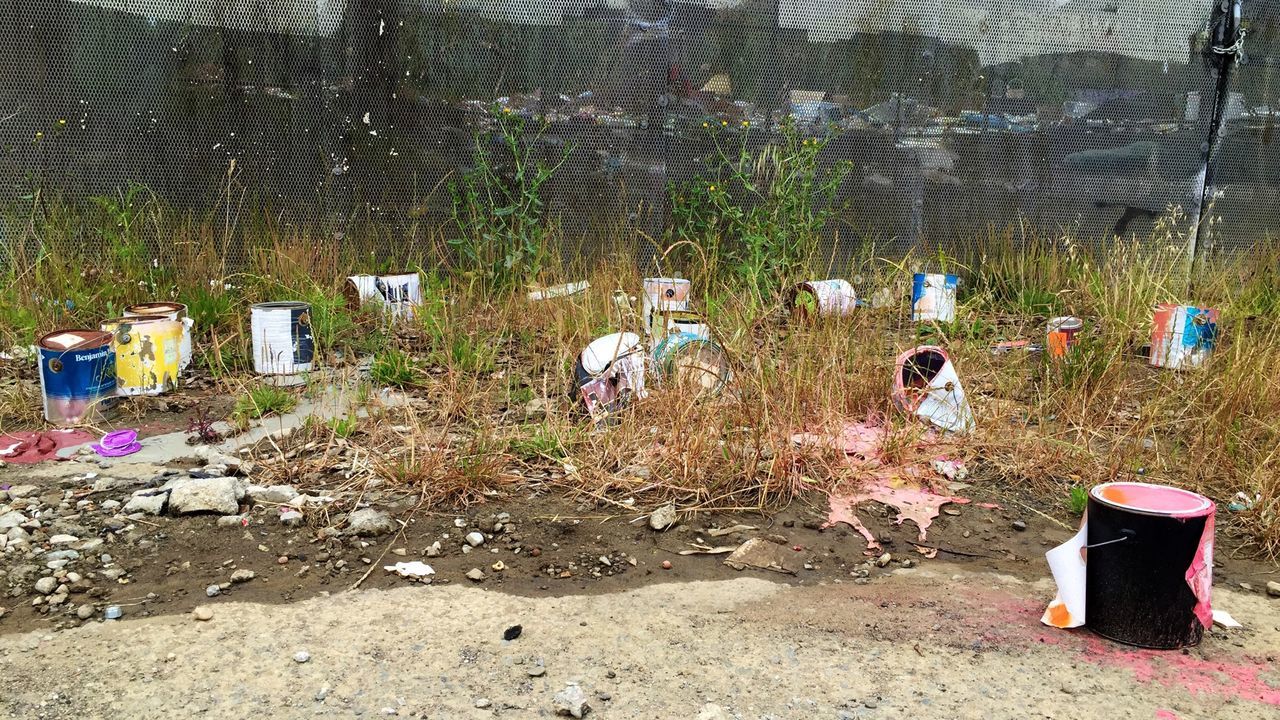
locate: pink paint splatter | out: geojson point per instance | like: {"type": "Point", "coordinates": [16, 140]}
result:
{"type": "Point", "coordinates": [1227, 678]}
{"type": "Point", "coordinates": [1166, 715]}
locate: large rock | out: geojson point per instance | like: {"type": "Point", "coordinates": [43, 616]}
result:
{"type": "Point", "coordinates": [11, 519]}
{"type": "Point", "coordinates": [219, 495]}
{"type": "Point", "coordinates": [369, 523]}
{"type": "Point", "coordinates": [151, 503]}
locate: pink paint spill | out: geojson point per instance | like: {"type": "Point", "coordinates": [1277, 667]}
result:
{"type": "Point", "coordinates": [906, 487]}
{"type": "Point", "coordinates": [1197, 676]}
{"type": "Point", "coordinates": [1166, 715]}
{"type": "Point", "coordinates": [25, 446]}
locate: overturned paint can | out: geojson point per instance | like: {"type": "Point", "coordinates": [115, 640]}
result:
{"type": "Point", "coordinates": [397, 294]}
{"type": "Point", "coordinates": [173, 311]}
{"type": "Point", "coordinates": [77, 376]}
{"type": "Point", "coordinates": [662, 296]}
{"type": "Point", "coordinates": [692, 363]}
{"type": "Point", "coordinates": [282, 340]}
{"type": "Point", "coordinates": [609, 373]}
{"type": "Point", "coordinates": [933, 297]}
{"type": "Point", "coordinates": [926, 384]}
{"type": "Point", "coordinates": [148, 350]}
{"type": "Point", "coordinates": [1149, 570]}
{"type": "Point", "coordinates": [1182, 336]}
{"type": "Point", "coordinates": [1062, 334]}
{"type": "Point", "coordinates": [823, 298]}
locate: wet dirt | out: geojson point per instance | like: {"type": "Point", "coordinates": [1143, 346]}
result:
{"type": "Point", "coordinates": [550, 546]}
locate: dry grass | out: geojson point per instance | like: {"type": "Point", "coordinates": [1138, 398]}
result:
{"type": "Point", "coordinates": [488, 376]}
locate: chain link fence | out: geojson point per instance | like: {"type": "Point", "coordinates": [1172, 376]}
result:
{"type": "Point", "coordinates": [1087, 117]}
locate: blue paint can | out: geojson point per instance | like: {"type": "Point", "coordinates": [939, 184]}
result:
{"type": "Point", "coordinates": [77, 376]}
{"type": "Point", "coordinates": [933, 297]}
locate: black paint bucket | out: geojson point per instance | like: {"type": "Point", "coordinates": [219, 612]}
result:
{"type": "Point", "coordinates": [1150, 565]}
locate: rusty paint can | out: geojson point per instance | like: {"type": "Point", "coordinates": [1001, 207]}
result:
{"type": "Point", "coordinates": [77, 376]}
{"type": "Point", "coordinates": [1062, 335]}
{"type": "Point", "coordinates": [147, 351]}
{"type": "Point", "coordinates": [823, 298]}
{"type": "Point", "coordinates": [173, 311]}
{"type": "Point", "coordinates": [692, 363]}
{"type": "Point", "coordinates": [282, 340]}
{"type": "Point", "coordinates": [399, 294]}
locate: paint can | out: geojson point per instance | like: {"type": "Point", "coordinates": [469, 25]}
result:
{"type": "Point", "coordinates": [609, 373]}
{"type": "Point", "coordinates": [692, 363]}
{"type": "Point", "coordinates": [282, 341]}
{"type": "Point", "coordinates": [688, 322]}
{"type": "Point", "coordinates": [147, 349]}
{"type": "Point", "coordinates": [77, 376]}
{"type": "Point", "coordinates": [173, 311]}
{"type": "Point", "coordinates": [926, 384]}
{"type": "Point", "coordinates": [399, 294]}
{"type": "Point", "coordinates": [1182, 336]}
{"type": "Point", "coordinates": [933, 297]}
{"type": "Point", "coordinates": [1149, 569]}
{"type": "Point", "coordinates": [1062, 334]}
{"type": "Point", "coordinates": [823, 298]}
{"type": "Point", "coordinates": [662, 295]}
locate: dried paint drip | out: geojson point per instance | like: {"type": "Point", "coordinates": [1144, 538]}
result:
{"type": "Point", "coordinates": [32, 447]}
{"type": "Point", "coordinates": [904, 486]}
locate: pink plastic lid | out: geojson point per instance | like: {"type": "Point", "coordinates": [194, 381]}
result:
{"type": "Point", "coordinates": [1152, 499]}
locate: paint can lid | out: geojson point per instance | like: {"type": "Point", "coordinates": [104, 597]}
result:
{"type": "Point", "coordinates": [1151, 499]}
{"type": "Point", "coordinates": [1066, 322]}
{"type": "Point", "coordinates": [156, 308]}
{"type": "Point", "coordinates": [74, 339]}
{"type": "Point", "coordinates": [281, 305]}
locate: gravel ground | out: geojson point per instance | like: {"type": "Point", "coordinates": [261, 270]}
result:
{"type": "Point", "coordinates": [937, 642]}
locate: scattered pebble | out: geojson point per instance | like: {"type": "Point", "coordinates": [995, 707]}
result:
{"type": "Point", "coordinates": [201, 613]}
{"type": "Point", "coordinates": [475, 574]}
{"type": "Point", "coordinates": [483, 703]}
{"type": "Point", "coordinates": [475, 538]}
{"type": "Point", "coordinates": [1273, 588]}
{"type": "Point", "coordinates": [572, 701]}
{"type": "Point", "coordinates": [242, 576]}
{"type": "Point", "coordinates": [301, 656]}
{"type": "Point", "coordinates": [664, 517]}
{"type": "Point", "coordinates": [666, 564]}
{"type": "Point", "coordinates": [1019, 525]}
{"type": "Point", "coordinates": [212, 591]}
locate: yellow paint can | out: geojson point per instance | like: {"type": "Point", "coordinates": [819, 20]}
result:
{"type": "Point", "coordinates": [148, 353]}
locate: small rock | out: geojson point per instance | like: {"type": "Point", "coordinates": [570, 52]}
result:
{"type": "Point", "coordinates": [572, 701]}
{"type": "Point", "coordinates": [22, 491]}
{"type": "Point", "coordinates": [434, 550]}
{"type": "Point", "coordinates": [712, 711]}
{"type": "Point", "coordinates": [1273, 588]}
{"type": "Point", "coordinates": [475, 539]}
{"type": "Point", "coordinates": [870, 703]}
{"type": "Point", "coordinates": [203, 614]}
{"type": "Point", "coordinates": [1019, 525]}
{"type": "Point", "coordinates": [537, 670]}
{"type": "Point", "coordinates": [274, 494]}
{"type": "Point", "coordinates": [512, 632]}
{"type": "Point", "coordinates": [666, 564]}
{"type": "Point", "coordinates": [151, 504]}
{"type": "Point", "coordinates": [322, 693]}
{"type": "Point", "coordinates": [84, 612]}
{"type": "Point", "coordinates": [46, 585]}
{"type": "Point", "coordinates": [232, 521]}
{"type": "Point", "coordinates": [242, 576]}
{"type": "Point", "coordinates": [212, 591]}
{"type": "Point", "coordinates": [884, 560]}
{"type": "Point", "coordinates": [291, 518]}
{"type": "Point", "coordinates": [475, 574]}
{"type": "Point", "coordinates": [301, 656]}
{"type": "Point", "coordinates": [370, 523]}
{"type": "Point", "coordinates": [63, 540]}
{"type": "Point", "coordinates": [483, 703]}
{"type": "Point", "coordinates": [664, 517]}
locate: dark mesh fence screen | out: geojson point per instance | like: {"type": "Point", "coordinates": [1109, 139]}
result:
{"type": "Point", "coordinates": [1086, 116]}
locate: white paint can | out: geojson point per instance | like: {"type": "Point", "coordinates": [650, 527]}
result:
{"type": "Point", "coordinates": [282, 341]}
{"type": "Point", "coordinates": [823, 298]}
{"type": "Point", "coordinates": [661, 296]}
{"type": "Point", "coordinates": [399, 294]}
